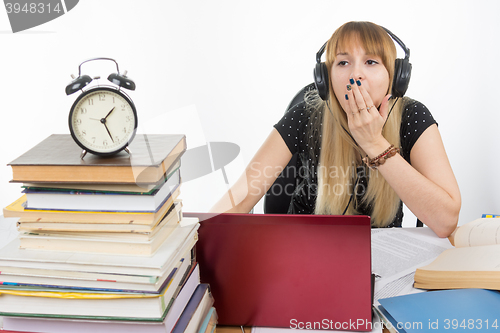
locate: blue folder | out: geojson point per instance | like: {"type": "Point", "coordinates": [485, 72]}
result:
{"type": "Point", "coordinates": [459, 310]}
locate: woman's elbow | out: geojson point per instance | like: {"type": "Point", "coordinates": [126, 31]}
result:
{"type": "Point", "coordinates": [444, 231]}
{"type": "Point", "coordinates": [447, 223]}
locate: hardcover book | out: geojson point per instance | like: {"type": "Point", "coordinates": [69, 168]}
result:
{"type": "Point", "coordinates": [18, 209]}
{"type": "Point", "coordinates": [28, 225]}
{"type": "Point", "coordinates": [57, 159]}
{"type": "Point", "coordinates": [102, 201]}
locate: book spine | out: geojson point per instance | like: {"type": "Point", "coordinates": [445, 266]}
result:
{"type": "Point", "coordinates": [191, 307]}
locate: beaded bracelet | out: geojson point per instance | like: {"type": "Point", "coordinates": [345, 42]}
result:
{"type": "Point", "coordinates": [380, 159]}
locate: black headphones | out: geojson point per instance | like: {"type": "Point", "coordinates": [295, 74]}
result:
{"type": "Point", "coordinates": [81, 81]}
{"type": "Point", "coordinates": [402, 71]}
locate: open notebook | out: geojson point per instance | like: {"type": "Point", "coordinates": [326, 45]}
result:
{"type": "Point", "coordinates": [295, 271]}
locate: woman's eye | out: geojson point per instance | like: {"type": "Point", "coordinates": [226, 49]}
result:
{"type": "Point", "coordinates": [372, 62]}
{"type": "Point", "coordinates": [342, 63]}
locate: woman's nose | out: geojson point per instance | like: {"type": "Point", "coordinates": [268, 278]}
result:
{"type": "Point", "coordinates": [357, 73]}
{"type": "Point", "coordinates": [357, 76]}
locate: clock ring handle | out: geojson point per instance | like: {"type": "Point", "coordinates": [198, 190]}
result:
{"type": "Point", "coordinates": [100, 58]}
{"type": "Point", "coordinates": [80, 82]}
{"type": "Point", "coordinates": [120, 80]}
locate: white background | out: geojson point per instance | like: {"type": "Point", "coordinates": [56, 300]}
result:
{"type": "Point", "coordinates": [225, 70]}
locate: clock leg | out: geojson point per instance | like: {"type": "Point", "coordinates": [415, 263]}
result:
{"type": "Point", "coordinates": [82, 155]}
{"type": "Point", "coordinates": [128, 151]}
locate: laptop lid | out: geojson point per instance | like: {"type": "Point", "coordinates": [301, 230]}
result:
{"type": "Point", "coordinates": [294, 271]}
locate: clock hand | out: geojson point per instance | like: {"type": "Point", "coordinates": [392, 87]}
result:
{"type": "Point", "coordinates": [104, 123]}
{"type": "Point", "coordinates": [109, 113]}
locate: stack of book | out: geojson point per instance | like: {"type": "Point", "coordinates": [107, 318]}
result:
{"type": "Point", "coordinates": [102, 245]}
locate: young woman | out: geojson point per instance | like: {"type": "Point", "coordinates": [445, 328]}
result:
{"type": "Point", "coordinates": [360, 151]}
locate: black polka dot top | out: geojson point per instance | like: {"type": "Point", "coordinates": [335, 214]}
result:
{"type": "Point", "coordinates": [294, 128]}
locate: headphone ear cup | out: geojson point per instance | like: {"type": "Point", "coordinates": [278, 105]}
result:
{"type": "Point", "coordinates": [321, 80]}
{"type": "Point", "coordinates": [402, 75]}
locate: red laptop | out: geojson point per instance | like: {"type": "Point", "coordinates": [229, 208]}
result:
{"type": "Point", "coordinates": [293, 271]}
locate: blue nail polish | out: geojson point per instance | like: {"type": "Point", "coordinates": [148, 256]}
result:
{"type": "Point", "coordinates": [351, 80]}
{"type": "Point", "coordinates": [349, 87]}
{"type": "Point", "coordinates": [358, 83]}
{"type": "Point", "coordinates": [346, 98]}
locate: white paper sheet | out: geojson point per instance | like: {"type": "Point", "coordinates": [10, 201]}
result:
{"type": "Point", "coordinates": [397, 253]}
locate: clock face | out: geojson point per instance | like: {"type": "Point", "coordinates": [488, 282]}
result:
{"type": "Point", "coordinates": [103, 120]}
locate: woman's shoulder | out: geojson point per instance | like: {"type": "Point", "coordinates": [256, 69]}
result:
{"type": "Point", "coordinates": [300, 110]}
{"type": "Point", "coordinates": [293, 125]}
{"type": "Point", "coordinates": [415, 109]}
{"type": "Point", "coordinates": [416, 118]}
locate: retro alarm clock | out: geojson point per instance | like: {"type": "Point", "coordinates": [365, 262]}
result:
{"type": "Point", "coordinates": [103, 119]}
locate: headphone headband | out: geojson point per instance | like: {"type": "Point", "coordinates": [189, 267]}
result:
{"type": "Point", "coordinates": [320, 53]}
{"type": "Point", "coordinates": [399, 41]}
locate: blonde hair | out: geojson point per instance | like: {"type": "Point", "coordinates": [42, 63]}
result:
{"type": "Point", "coordinates": [337, 172]}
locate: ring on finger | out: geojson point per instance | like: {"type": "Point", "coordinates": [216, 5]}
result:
{"type": "Point", "coordinates": [368, 108]}
{"type": "Point", "coordinates": [361, 109]}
